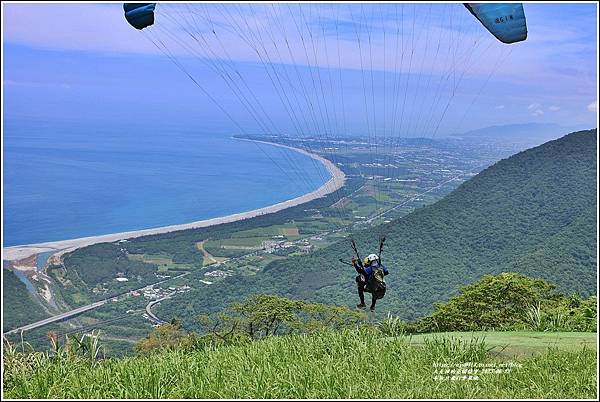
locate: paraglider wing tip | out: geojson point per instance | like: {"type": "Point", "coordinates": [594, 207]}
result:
{"type": "Point", "coordinates": [139, 15]}
{"type": "Point", "coordinates": [510, 42]}
{"type": "Point", "coordinates": [506, 21]}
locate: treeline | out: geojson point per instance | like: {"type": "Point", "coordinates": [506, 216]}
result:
{"type": "Point", "coordinates": [505, 302]}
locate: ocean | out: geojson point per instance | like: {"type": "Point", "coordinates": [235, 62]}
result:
{"type": "Point", "coordinates": [69, 180]}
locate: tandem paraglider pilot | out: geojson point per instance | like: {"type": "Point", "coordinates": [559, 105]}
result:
{"type": "Point", "coordinates": [370, 279]}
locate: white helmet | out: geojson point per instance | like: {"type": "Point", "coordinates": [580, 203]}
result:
{"type": "Point", "coordinates": [373, 257]}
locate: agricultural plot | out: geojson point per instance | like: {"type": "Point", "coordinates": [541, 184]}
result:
{"type": "Point", "coordinates": [165, 263]}
{"type": "Point", "coordinates": [269, 231]}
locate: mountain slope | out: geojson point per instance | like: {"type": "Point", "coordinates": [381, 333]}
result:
{"type": "Point", "coordinates": [533, 213]}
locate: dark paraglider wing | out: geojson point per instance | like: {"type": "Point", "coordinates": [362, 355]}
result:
{"type": "Point", "coordinates": [139, 15]}
{"type": "Point", "coordinates": [506, 21]}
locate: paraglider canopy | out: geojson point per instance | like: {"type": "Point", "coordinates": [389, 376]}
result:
{"type": "Point", "coordinates": [139, 15]}
{"type": "Point", "coordinates": [506, 21]}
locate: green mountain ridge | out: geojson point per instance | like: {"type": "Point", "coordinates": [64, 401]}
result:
{"type": "Point", "coordinates": [533, 213]}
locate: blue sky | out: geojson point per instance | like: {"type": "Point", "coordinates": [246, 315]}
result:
{"type": "Point", "coordinates": [419, 70]}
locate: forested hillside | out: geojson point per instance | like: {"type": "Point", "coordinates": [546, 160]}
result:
{"type": "Point", "coordinates": [19, 305]}
{"type": "Point", "coordinates": [533, 213]}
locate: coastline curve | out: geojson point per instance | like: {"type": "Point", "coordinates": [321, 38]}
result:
{"type": "Point", "coordinates": [337, 180]}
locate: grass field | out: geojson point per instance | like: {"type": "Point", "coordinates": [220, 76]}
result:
{"type": "Point", "coordinates": [522, 343]}
{"type": "Point", "coordinates": [350, 364]}
{"type": "Point", "coordinates": [253, 238]}
{"type": "Point", "coordinates": [164, 262]}
{"type": "Point", "coordinates": [267, 231]}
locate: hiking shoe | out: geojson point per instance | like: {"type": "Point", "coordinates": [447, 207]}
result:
{"type": "Point", "coordinates": [361, 305]}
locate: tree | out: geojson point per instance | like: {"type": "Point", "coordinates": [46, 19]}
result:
{"type": "Point", "coordinates": [165, 336]}
{"type": "Point", "coordinates": [267, 315]}
{"type": "Point", "coordinates": [490, 303]}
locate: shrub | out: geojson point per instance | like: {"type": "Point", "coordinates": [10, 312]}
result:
{"type": "Point", "coordinates": [492, 302]}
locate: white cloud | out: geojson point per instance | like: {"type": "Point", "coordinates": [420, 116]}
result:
{"type": "Point", "coordinates": [593, 107]}
{"type": "Point", "coordinates": [536, 109]}
{"type": "Point", "coordinates": [537, 112]}
{"type": "Point", "coordinates": [554, 108]}
{"type": "Point", "coordinates": [500, 107]}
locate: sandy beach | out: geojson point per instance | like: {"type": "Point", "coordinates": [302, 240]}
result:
{"type": "Point", "coordinates": [337, 180]}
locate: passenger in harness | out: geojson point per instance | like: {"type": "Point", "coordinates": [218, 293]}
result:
{"type": "Point", "coordinates": [370, 279]}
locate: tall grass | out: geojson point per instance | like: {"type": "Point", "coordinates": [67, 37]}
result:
{"type": "Point", "coordinates": [392, 326]}
{"type": "Point", "coordinates": [346, 364]}
{"type": "Point", "coordinates": [552, 320]}
{"type": "Point", "coordinates": [534, 317]}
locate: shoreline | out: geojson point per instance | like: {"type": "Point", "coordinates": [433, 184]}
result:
{"type": "Point", "coordinates": [337, 180]}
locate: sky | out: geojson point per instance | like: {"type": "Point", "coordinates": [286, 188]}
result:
{"type": "Point", "coordinates": [376, 69]}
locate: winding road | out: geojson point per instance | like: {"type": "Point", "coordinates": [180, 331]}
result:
{"type": "Point", "coordinates": [153, 317]}
{"type": "Point", "coordinates": [79, 310]}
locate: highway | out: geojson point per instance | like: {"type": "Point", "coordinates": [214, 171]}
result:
{"type": "Point", "coordinates": [153, 317]}
{"type": "Point", "coordinates": [59, 317]}
{"type": "Point", "coordinates": [72, 313]}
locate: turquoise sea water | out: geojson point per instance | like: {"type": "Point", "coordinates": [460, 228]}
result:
{"type": "Point", "coordinates": [68, 180]}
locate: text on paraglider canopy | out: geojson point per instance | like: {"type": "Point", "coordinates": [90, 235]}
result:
{"type": "Point", "coordinates": [503, 19]}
